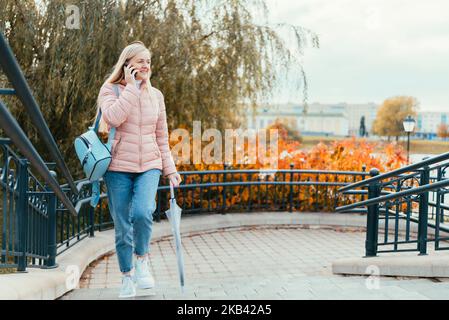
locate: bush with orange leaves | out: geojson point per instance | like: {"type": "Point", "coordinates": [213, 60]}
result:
{"type": "Point", "coordinates": [345, 155]}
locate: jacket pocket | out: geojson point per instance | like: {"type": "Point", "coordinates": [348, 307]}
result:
{"type": "Point", "coordinates": [158, 152]}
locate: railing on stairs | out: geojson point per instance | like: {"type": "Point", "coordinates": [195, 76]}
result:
{"type": "Point", "coordinates": [401, 217]}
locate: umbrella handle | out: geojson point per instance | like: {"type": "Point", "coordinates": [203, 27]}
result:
{"type": "Point", "coordinates": [172, 191]}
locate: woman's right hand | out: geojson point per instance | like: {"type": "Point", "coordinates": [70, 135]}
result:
{"type": "Point", "coordinates": [129, 71]}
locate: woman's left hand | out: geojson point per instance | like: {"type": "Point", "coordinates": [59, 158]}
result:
{"type": "Point", "coordinates": [175, 179]}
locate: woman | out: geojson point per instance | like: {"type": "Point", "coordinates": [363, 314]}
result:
{"type": "Point", "coordinates": [140, 155]}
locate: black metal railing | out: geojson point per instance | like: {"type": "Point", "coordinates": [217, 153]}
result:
{"type": "Point", "coordinates": [28, 206]}
{"type": "Point", "coordinates": [37, 227]}
{"type": "Point", "coordinates": [406, 208]}
{"type": "Point", "coordinates": [240, 190]}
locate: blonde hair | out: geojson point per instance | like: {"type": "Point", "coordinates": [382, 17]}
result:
{"type": "Point", "coordinates": [118, 75]}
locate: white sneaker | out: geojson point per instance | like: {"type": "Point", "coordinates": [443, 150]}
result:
{"type": "Point", "coordinates": [142, 275]}
{"type": "Point", "coordinates": [127, 290]}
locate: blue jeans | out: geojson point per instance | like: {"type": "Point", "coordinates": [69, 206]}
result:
{"type": "Point", "coordinates": [132, 201]}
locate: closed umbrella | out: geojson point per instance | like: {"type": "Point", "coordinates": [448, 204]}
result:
{"type": "Point", "coordinates": [174, 217]}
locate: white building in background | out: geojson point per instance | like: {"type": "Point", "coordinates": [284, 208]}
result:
{"type": "Point", "coordinates": [339, 119]}
{"type": "Point", "coordinates": [355, 112]}
{"type": "Point", "coordinates": [427, 123]}
{"type": "Point", "coordinates": [329, 124]}
{"type": "Point", "coordinates": [266, 115]}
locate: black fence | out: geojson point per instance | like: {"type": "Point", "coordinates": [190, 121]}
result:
{"type": "Point", "coordinates": [406, 208]}
{"type": "Point", "coordinates": [37, 227]}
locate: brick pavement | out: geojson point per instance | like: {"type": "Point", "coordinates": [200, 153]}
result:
{"type": "Point", "coordinates": [264, 262]}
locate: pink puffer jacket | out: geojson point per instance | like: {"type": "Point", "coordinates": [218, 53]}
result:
{"type": "Point", "coordinates": [141, 138]}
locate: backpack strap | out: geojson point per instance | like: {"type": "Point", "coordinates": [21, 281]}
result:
{"type": "Point", "coordinates": [115, 88]}
{"type": "Point", "coordinates": [112, 131]}
{"type": "Point", "coordinates": [95, 198]}
{"type": "Point", "coordinates": [97, 119]}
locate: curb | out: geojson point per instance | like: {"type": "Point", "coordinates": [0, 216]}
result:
{"type": "Point", "coordinates": [429, 266]}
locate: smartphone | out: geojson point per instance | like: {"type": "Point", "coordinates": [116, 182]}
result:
{"type": "Point", "coordinates": [134, 75]}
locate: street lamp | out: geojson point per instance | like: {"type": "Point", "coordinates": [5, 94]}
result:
{"type": "Point", "coordinates": [409, 126]}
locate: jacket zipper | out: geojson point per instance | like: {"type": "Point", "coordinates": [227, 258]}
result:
{"type": "Point", "coordinates": [140, 135]}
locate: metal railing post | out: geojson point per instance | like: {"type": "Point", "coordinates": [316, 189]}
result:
{"type": "Point", "coordinates": [363, 178]}
{"type": "Point", "coordinates": [372, 219]}
{"type": "Point", "coordinates": [290, 196]}
{"type": "Point", "coordinates": [51, 245]}
{"type": "Point", "coordinates": [22, 215]}
{"type": "Point", "coordinates": [223, 208]}
{"type": "Point", "coordinates": [438, 211]}
{"type": "Point", "coordinates": [423, 212]}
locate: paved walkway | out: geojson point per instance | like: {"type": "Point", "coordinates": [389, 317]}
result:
{"type": "Point", "coordinates": [259, 263]}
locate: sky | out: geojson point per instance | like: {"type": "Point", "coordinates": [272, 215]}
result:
{"type": "Point", "coordinates": [372, 49]}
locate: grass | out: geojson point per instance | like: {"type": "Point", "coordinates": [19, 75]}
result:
{"type": "Point", "coordinates": [424, 146]}
{"type": "Point", "coordinates": [7, 270]}
{"type": "Point", "coordinates": [416, 146]}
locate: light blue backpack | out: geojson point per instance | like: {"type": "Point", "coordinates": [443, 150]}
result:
{"type": "Point", "coordinates": [94, 155]}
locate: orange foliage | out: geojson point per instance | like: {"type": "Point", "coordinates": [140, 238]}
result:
{"type": "Point", "coordinates": [345, 155]}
